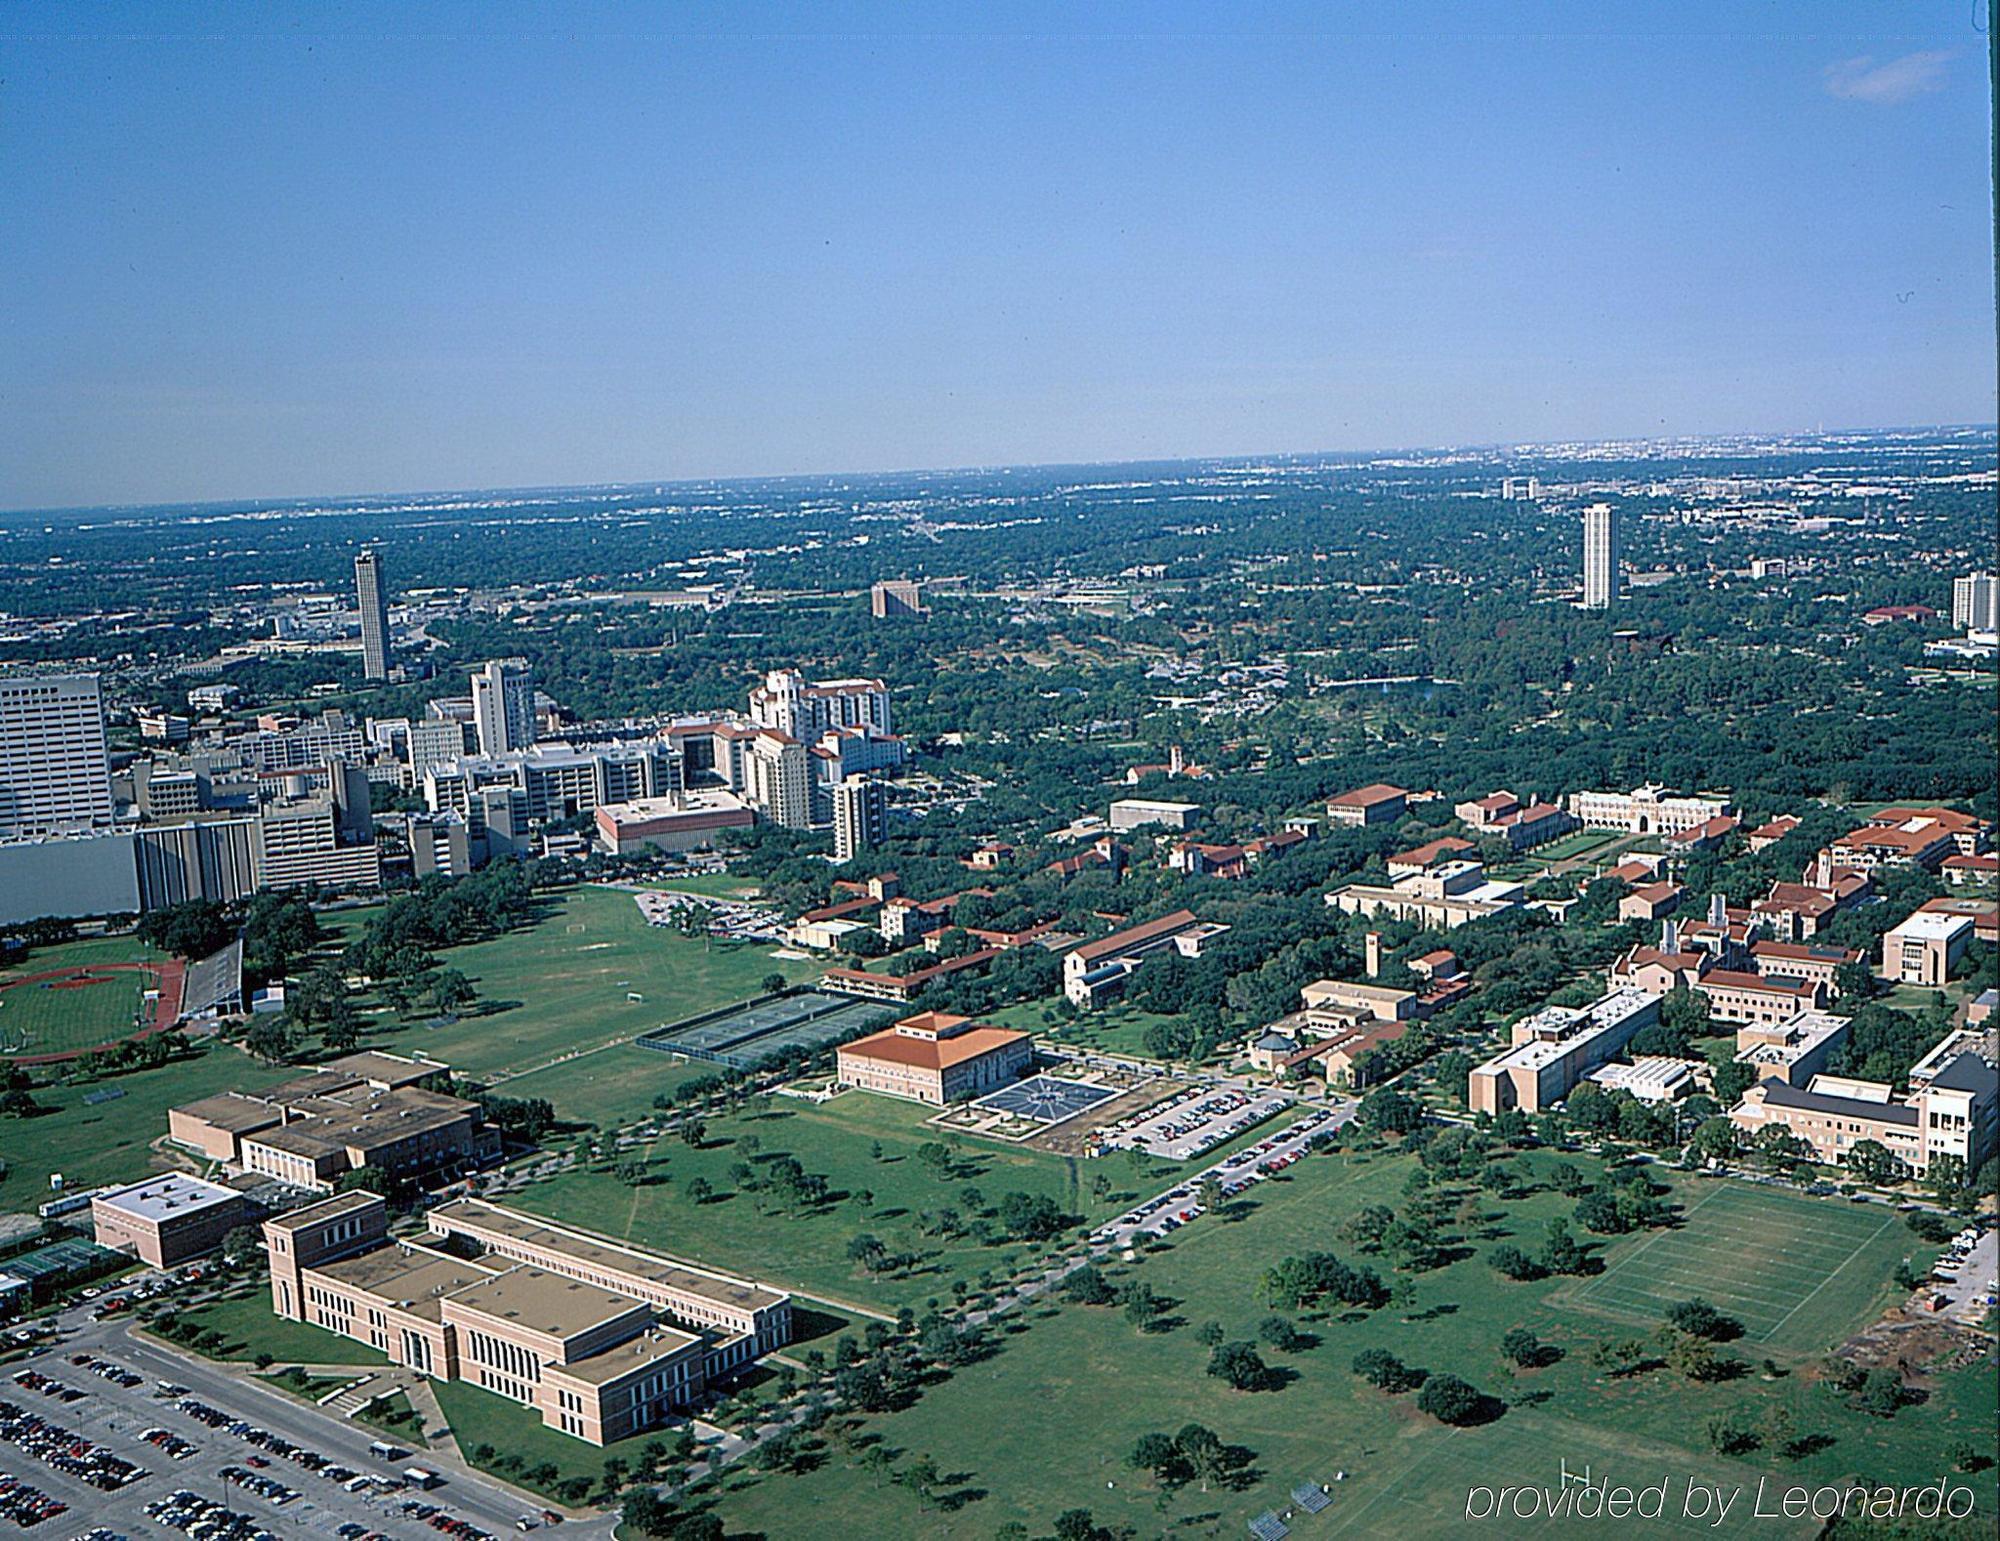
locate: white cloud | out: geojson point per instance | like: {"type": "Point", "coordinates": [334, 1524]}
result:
{"type": "Point", "coordinates": [1863, 80]}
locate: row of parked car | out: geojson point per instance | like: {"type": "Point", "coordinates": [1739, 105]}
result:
{"type": "Point", "coordinates": [1197, 1111]}
{"type": "Point", "coordinates": [270, 1489]}
{"type": "Point", "coordinates": [1181, 1204]}
{"type": "Point", "coordinates": [46, 1385]}
{"type": "Point", "coordinates": [443, 1521]}
{"type": "Point", "coordinates": [1955, 1253]}
{"type": "Point", "coordinates": [65, 1450]}
{"type": "Point", "coordinates": [24, 1505]}
{"type": "Point", "coordinates": [170, 1443]}
{"type": "Point", "coordinates": [203, 1519]}
{"type": "Point", "coordinates": [105, 1369]}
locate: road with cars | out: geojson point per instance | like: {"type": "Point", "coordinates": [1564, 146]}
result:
{"type": "Point", "coordinates": [204, 1435]}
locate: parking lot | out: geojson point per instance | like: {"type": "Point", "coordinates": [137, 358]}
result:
{"type": "Point", "coordinates": [103, 1430]}
{"type": "Point", "coordinates": [1195, 1122]}
{"type": "Point", "coordinates": [1168, 1212]}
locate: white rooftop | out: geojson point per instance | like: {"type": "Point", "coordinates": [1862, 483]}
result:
{"type": "Point", "coordinates": [168, 1196]}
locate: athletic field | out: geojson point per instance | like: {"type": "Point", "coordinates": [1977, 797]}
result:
{"type": "Point", "coordinates": [1795, 1271]}
{"type": "Point", "coordinates": [75, 996]}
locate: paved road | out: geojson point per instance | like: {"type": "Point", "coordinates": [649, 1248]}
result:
{"type": "Point", "coordinates": [1968, 1293]}
{"type": "Point", "coordinates": [115, 1417]}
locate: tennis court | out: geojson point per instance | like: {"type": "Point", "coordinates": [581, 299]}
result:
{"type": "Point", "coordinates": [1796, 1271]}
{"type": "Point", "coordinates": [1047, 1099]}
{"type": "Point", "coordinates": [747, 1034]}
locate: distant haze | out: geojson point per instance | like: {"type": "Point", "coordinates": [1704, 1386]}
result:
{"type": "Point", "coordinates": [291, 251]}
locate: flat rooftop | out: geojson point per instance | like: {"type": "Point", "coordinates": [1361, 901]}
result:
{"type": "Point", "coordinates": [475, 1214]}
{"type": "Point", "coordinates": [326, 1209]}
{"type": "Point", "coordinates": [411, 1279]}
{"type": "Point", "coordinates": [168, 1197]}
{"type": "Point", "coordinates": [545, 1302]}
{"type": "Point", "coordinates": [632, 1356]}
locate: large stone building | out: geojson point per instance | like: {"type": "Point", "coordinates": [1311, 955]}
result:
{"type": "Point", "coordinates": [368, 1110]}
{"type": "Point", "coordinates": [937, 1058]}
{"type": "Point", "coordinates": [1952, 1109]}
{"type": "Point", "coordinates": [601, 1339]}
{"type": "Point", "coordinates": [55, 775]}
{"type": "Point", "coordinates": [1557, 1047]}
{"type": "Point", "coordinates": [1097, 970]}
{"type": "Point", "coordinates": [1646, 810]}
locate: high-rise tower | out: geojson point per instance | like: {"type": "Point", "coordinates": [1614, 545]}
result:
{"type": "Point", "coordinates": [374, 615]}
{"type": "Point", "coordinates": [1600, 557]}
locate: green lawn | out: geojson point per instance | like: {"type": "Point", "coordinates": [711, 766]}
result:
{"type": "Point", "coordinates": [566, 984]}
{"type": "Point", "coordinates": [525, 1450]}
{"type": "Point", "coordinates": [610, 1087]}
{"type": "Point", "coordinates": [719, 885]}
{"type": "Point", "coordinates": [1047, 1422]}
{"type": "Point", "coordinates": [108, 1142]}
{"type": "Point", "coordinates": [809, 1252]}
{"type": "Point", "coordinates": [250, 1328]}
{"type": "Point", "coordinates": [1579, 842]}
{"type": "Point", "coordinates": [394, 1416]}
{"type": "Point", "coordinates": [1115, 1029]}
{"type": "Point", "coordinates": [47, 1019]}
{"type": "Point", "coordinates": [310, 1388]}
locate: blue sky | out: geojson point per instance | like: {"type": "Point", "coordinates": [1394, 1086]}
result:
{"type": "Point", "coordinates": [288, 250]}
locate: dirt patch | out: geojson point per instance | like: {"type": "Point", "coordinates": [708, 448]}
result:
{"type": "Point", "coordinates": [1917, 1346]}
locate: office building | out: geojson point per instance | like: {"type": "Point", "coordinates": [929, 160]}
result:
{"type": "Point", "coordinates": [503, 706]}
{"type": "Point", "coordinates": [165, 1221]}
{"type": "Point", "coordinates": [1377, 803]}
{"type": "Point", "coordinates": [1097, 970]}
{"type": "Point", "coordinates": [1952, 1109]}
{"type": "Point", "coordinates": [896, 597]}
{"type": "Point", "coordinates": [1451, 894]}
{"type": "Point", "coordinates": [598, 1338]}
{"type": "Point", "coordinates": [778, 779]}
{"type": "Point", "coordinates": [860, 811]}
{"type": "Point", "coordinates": [1925, 948]}
{"type": "Point", "coordinates": [1555, 1048]}
{"type": "Point", "coordinates": [361, 1111]}
{"type": "Point", "coordinates": [1975, 602]}
{"type": "Point", "coordinates": [55, 772]}
{"type": "Point", "coordinates": [1138, 812]}
{"type": "Point", "coordinates": [374, 606]}
{"type": "Point", "coordinates": [1600, 557]}
{"type": "Point", "coordinates": [678, 823]}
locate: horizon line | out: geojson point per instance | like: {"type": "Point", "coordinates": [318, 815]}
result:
{"type": "Point", "coordinates": [752, 478]}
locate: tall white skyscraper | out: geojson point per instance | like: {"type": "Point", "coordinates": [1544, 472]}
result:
{"type": "Point", "coordinates": [858, 814]}
{"type": "Point", "coordinates": [1600, 557]}
{"type": "Point", "coordinates": [1975, 602]}
{"type": "Point", "coordinates": [55, 774]}
{"type": "Point", "coordinates": [374, 616]}
{"type": "Point", "coordinates": [503, 705]}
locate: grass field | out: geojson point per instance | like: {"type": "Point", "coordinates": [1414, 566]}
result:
{"type": "Point", "coordinates": [1792, 1269]}
{"type": "Point", "coordinates": [566, 984]}
{"type": "Point", "coordinates": [108, 1142]}
{"type": "Point", "coordinates": [250, 1328]}
{"type": "Point", "coordinates": [480, 1418]}
{"type": "Point", "coordinates": [809, 1251]}
{"type": "Point", "coordinates": [608, 1087]}
{"type": "Point", "coordinates": [37, 1018]}
{"type": "Point", "coordinates": [1078, 1386]}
